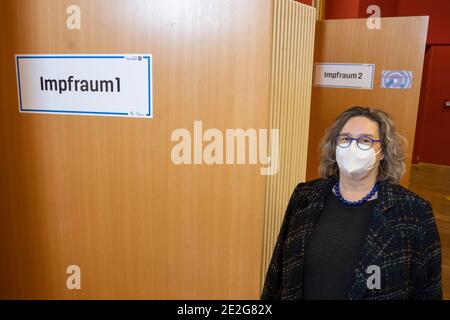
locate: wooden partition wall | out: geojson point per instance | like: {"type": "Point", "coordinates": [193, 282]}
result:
{"type": "Point", "coordinates": [398, 45]}
{"type": "Point", "coordinates": [292, 58]}
{"type": "Point", "coordinates": [102, 193]}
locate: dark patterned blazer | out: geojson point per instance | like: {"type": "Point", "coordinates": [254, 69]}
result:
{"type": "Point", "coordinates": [402, 240]}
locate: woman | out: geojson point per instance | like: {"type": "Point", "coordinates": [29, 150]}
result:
{"type": "Point", "coordinates": [356, 233]}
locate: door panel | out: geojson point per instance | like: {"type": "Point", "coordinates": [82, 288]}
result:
{"type": "Point", "coordinates": [102, 193]}
{"type": "Point", "coordinates": [398, 45]}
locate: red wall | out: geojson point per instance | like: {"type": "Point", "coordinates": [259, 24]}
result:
{"type": "Point", "coordinates": [341, 9]}
{"type": "Point", "coordinates": [388, 8]}
{"type": "Point", "coordinates": [439, 12]}
{"type": "Point", "coordinates": [352, 9]}
{"type": "Point", "coordinates": [308, 2]}
{"type": "Point", "coordinates": [421, 111]}
{"type": "Point", "coordinates": [432, 143]}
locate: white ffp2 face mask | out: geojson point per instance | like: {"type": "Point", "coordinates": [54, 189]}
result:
{"type": "Point", "coordinates": [352, 160]}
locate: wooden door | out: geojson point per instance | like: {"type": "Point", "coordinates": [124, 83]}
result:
{"type": "Point", "coordinates": [398, 45]}
{"type": "Point", "coordinates": [102, 193]}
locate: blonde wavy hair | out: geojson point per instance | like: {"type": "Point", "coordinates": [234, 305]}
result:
{"type": "Point", "coordinates": [391, 168]}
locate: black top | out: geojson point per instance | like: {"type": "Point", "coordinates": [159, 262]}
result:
{"type": "Point", "coordinates": [333, 251]}
{"type": "Point", "coordinates": [405, 244]}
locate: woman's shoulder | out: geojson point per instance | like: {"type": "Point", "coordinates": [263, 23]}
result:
{"type": "Point", "coordinates": [404, 195]}
{"type": "Point", "coordinates": [319, 183]}
{"type": "Point", "coordinates": [311, 188]}
{"type": "Point", "coordinates": [411, 205]}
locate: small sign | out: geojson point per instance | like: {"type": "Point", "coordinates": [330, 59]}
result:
{"type": "Point", "coordinates": [344, 75]}
{"type": "Point", "coordinates": [103, 85]}
{"type": "Point", "coordinates": [396, 79]}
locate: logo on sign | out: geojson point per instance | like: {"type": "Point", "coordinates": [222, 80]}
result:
{"type": "Point", "coordinates": [396, 79]}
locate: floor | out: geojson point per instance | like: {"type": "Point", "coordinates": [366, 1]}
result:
{"type": "Point", "coordinates": [432, 182]}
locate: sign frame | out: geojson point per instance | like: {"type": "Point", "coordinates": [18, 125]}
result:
{"type": "Point", "coordinates": [345, 64]}
{"type": "Point", "coordinates": [149, 57]}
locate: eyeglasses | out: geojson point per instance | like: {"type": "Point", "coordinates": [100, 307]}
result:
{"type": "Point", "coordinates": [364, 143]}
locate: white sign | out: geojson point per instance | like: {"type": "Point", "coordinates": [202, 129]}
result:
{"type": "Point", "coordinates": [344, 75]}
{"type": "Point", "coordinates": [104, 85]}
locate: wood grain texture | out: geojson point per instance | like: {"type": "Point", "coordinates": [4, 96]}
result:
{"type": "Point", "coordinates": [101, 192]}
{"type": "Point", "coordinates": [399, 45]}
{"type": "Point", "coordinates": [292, 66]}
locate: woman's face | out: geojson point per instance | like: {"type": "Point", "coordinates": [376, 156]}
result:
{"type": "Point", "coordinates": [362, 126]}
